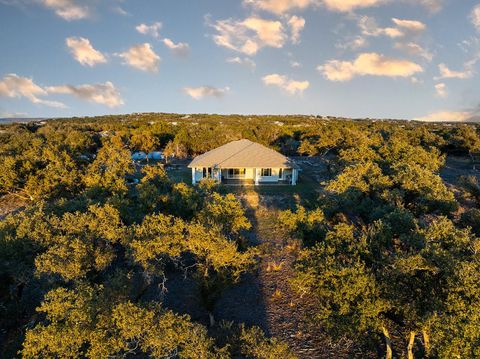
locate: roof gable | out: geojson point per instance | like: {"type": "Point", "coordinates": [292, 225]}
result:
{"type": "Point", "coordinates": [242, 153]}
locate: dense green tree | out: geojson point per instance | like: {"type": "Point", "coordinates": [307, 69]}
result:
{"type": "Point", "coordinates": [226, 212]}
{"type": "Point", "coordinates": [144, 141]}
{"type": "Point", "coordinates": [85, 322]}
{"type": "Point", "coordinates": [471, 186]}
{"type": "Point", "coordinates": [471, 218]}
{"type": "Point", "coordinates": [347, 296]}
{"type": "Point", "coordinates": [112, 163]}
{"type": "Point", "coordinates": [310, 226]}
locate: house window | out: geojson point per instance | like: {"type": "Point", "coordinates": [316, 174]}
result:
{"type": "Point", "coordinates": [280, 173]}
{"type": "Point", "coordinates": [207, 172]}
{"type": "Point", "coordinates": [266, 172]}
{"type": "Point", "coordinates": [236, 172]}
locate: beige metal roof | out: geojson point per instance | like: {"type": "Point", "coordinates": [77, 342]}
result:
{"type": "Point", "coordinates": [242, 154]}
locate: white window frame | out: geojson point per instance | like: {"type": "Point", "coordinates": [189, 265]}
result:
{"type": "Point", "coordinates": [266, 170]}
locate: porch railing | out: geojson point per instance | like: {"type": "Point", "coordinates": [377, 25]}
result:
{"type": "Point", "coordinates": [242, 176]}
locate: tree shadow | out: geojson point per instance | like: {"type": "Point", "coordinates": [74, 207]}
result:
{"type": "Point", "coordinates": [244, 301]}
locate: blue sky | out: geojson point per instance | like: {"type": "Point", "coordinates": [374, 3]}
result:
{"type": "Point", "coordinates": [357, 58]}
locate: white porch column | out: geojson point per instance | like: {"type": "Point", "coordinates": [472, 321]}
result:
{"type": "Point", "coordinates": [194, 175]}
{"type": "Point", "coordinates": [219, 175]}
{"type": "Point", "coordinates": [255, 176]}
{"type": "Point", "coordinates": [294, 176]}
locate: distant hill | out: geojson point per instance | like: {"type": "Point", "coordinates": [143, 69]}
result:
{"type": "Point", "coordinates": [6, 121]}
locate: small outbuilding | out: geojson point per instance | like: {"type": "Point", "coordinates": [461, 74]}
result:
{"type": "Point", "coordinates": [155, 155]}
{"type": "Point", "coordinates": [142, 156]}
{"type": "Point", "coordinates": [139, 156]}
{"type": "Point", "coordinates": [244, 162]}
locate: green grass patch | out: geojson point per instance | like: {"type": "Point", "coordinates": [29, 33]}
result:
{"type": "Point", "coordinates": [181, 174]}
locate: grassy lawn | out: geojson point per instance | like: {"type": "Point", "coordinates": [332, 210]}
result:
{"type": "Point", "coordinates": [180, 174]}
{"type": "Point", "coordinates": [302, 187]}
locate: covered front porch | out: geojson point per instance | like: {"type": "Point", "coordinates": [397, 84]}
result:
{"type": "Point", "coordinates": [246, 176]}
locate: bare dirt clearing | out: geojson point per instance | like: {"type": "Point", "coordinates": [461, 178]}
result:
{"type": "Point", "coordinates": [455, 167]}
{"type": "Point", "coordinates": [10, 204]}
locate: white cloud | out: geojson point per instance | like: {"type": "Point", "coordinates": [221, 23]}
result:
{"type": "Point", "coordinates": [412, 48]}
{"type": "Point", "coordinates": [121, 11]}
{"type": "Point", "coordinates": [446, 116]}
{"type": "Point", "coordinates": [295, 64]}
{"type": "Point", "coordinates": [369, 27]}
{"type": "Point", "coordinates": [441, 90]}
{"type": "Point", "coordinates": [83, 51]}
{"type": "Point", "coordinates": [446, 73]}
{"type": "Point", "coordinates": [141, 57]}
{"type": "Point", "coordinates": [292, 87]}
{"type": "Point", "coordinates": [372, 64]}
{"type": "Point", "coordinates": [205, 91]}
{"type": "Point", "coordinates": [68, 9]}
{"type": "Point", "coordinates": [180, 49]}
{"type": "Point", "coordinates": [475, 17]}
{"type": "Point", "coordinates": [13, 85]}
{"type": "Point", "coordinates": [411, 25]}
{"type": "Point", "coordinates": [250, 35]}
{"type": "Point", "coordinates": [353, 44]}
{"type": "Point", "coordinates": [350, 5]}
{"type": "Point", "coordinates": [242, 61]}
{"type": "Point", "coordinates": [296, 26]}
{"type": "Point", "coordinates": [104, 94]}
{"type": "Point", "coordinates": [152, 30]}
{"type": "Point", "coordinates": [405, 32]}
{"type": "Point", "coordinates": [280, 7]}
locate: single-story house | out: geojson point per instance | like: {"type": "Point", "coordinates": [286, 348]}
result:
{"type": "Point", "coordinates": [244, 162]}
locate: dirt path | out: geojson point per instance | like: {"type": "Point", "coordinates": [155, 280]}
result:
{"type": "Point", "coordinates": [285, 313]}
{"type": "Point", "coordinates": [266, 299]}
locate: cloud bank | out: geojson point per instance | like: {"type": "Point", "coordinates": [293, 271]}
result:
{"type": "Point", "coordinates": [104, 94]}
{"type": "Point", "coordinates": [13, 85]}
{"type": "Point", "coordinates": [371, 64]}
{"type": "Point", "coordinates": [448, 116]}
